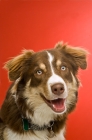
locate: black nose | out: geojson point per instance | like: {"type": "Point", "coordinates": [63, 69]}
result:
{"type": "Point", "coordinates": [57, 88]}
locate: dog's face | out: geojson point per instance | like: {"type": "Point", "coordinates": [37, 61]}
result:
{"type": "Point", "coordinates": [46, 80]}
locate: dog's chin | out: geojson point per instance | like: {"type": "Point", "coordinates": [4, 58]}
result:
{"type": "Point", "coordinates": [57, 105]}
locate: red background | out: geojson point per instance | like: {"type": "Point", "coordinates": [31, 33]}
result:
{"type": "Point", "coordinates": [39, 24]}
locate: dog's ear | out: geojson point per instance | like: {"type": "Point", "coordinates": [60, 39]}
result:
{"type": "Point", "coordinates": [77, 54]}
{"type": "Point", "coordinates": [15, 65]}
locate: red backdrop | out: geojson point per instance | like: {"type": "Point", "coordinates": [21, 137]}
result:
{"type": "Point", "coordinates": [39, 25]}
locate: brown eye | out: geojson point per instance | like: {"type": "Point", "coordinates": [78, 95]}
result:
{"type": "Point", "coordinates": [39, 72]}
{"type": "Point", "coordinates": [63, 68]}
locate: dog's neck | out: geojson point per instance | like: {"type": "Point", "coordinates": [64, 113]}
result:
{"type": "Point", "coordinates": [41, 116]}
{"type": "Point", "coordinates": [27, 125]}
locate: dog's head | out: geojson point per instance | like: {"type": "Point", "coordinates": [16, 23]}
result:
{"type": "Point", "coordinates": [47, 80]}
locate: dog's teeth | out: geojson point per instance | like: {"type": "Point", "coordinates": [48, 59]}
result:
{"type": "Point", "coordinates": [53, 106]}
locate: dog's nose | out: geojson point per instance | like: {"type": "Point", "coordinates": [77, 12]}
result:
{"type": "Point", "coordinates": [57, 88]}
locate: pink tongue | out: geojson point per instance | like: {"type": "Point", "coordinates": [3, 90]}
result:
{"type": "Point", "coordinates": [58, 104]}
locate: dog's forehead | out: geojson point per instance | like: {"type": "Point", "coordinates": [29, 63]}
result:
{"type": "Point", "coordinates": [43, 58]}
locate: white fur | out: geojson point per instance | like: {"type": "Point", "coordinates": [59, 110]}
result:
{"type": "Point", "coordinates": [42, 115]}
{"type": "Point", "coordinates": [38, 135]}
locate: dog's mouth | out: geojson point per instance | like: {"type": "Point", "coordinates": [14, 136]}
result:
{"type": "Point", "coordinates": [57, 105]}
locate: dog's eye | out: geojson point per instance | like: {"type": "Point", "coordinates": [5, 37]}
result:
{"type": "Point", "coordinates": [39, 72]}
{"type": "Point", "coordinates": [63, 68]}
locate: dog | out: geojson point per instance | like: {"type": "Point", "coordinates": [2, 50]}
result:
{"type": "Point", "coordinates": [43, 92]}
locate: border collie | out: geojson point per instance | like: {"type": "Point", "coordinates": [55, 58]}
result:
{"type": "Point", "coordinates": [43, 92]}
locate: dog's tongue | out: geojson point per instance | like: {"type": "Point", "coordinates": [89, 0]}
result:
{"type": "Point", "coordinates": [58, 105]}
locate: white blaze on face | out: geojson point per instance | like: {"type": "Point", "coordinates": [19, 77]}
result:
{"type": "Point", "coordinates": [54, 79]}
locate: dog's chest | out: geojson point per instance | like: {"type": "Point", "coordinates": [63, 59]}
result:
{"type": "Point", "coordinates": [38, 135]}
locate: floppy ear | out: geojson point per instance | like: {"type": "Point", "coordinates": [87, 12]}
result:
{"type": "Point", "coordinates": [77, 54]}
{"type": "Point", "coordinates": [15, 65]}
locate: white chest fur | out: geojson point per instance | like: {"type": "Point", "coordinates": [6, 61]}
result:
{"type": "Point", "coordinates": [38, 135]}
